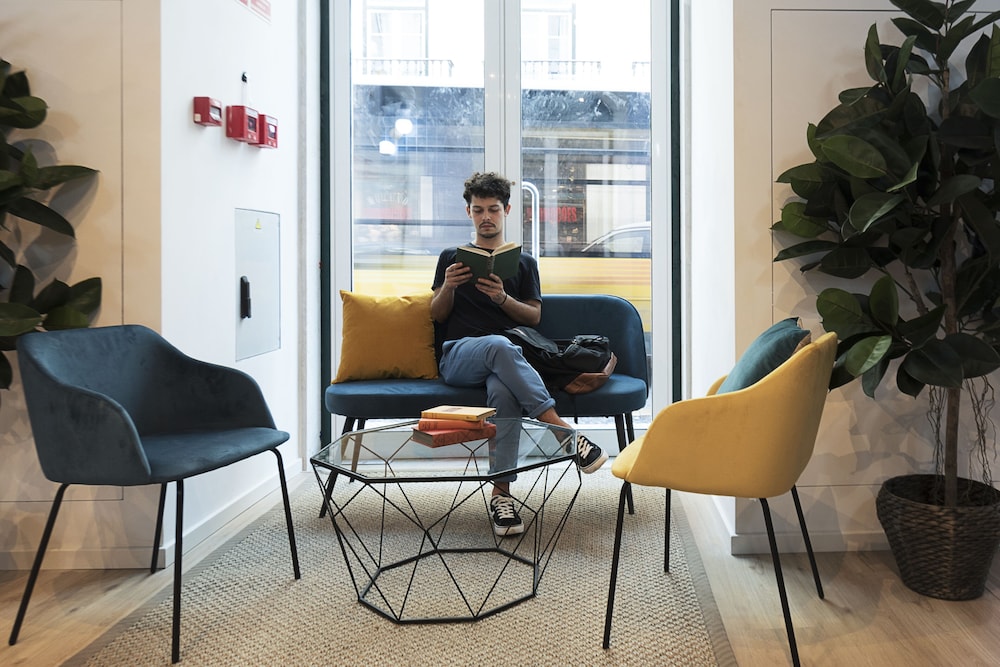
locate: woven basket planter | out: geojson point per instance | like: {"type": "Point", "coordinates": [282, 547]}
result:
{"type": "Point", "coordinates": [941, 552]}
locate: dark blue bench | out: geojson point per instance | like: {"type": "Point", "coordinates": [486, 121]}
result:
{"type": "Point", "coordinates": [563, 316]}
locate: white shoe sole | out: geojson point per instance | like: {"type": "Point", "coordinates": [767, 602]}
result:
{"type": "Point", "coordinates": [596, 465]}
{"type": "Point", "coordinates": [508, 531]}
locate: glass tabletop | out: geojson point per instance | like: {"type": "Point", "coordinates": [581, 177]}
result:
{"type": "Point", "coordinates": [389, 453]}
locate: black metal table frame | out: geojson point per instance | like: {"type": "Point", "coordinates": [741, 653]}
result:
{"type": "Point", "coordinates": [365, 581]}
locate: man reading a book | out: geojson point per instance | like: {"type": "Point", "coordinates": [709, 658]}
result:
{"type": "Point", "coordinates": [474, 313]}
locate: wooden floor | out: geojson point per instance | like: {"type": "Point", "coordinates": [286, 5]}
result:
{"type": "Point", "coordinates": [867, 618]}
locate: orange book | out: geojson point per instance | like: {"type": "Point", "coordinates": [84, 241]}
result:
{"type": "Point", "coordinates": [441, 424]}
{"type": "Point", "coordinates": [461, 412]}
{"type": "Point", "coordinates": [451, 436]}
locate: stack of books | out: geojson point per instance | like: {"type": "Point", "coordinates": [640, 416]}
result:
{"type": "Point", "coordinates": [450, 424]}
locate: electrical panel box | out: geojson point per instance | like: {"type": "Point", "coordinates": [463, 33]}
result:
{"type": "Point", "coordinates": [257, 283]}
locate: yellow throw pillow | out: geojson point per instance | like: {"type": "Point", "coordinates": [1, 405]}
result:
{"type": "Point", "coordinates": [386, 337]}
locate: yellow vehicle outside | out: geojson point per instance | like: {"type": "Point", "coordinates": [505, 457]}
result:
{"type": "Point", "coordinates": [627, 277]}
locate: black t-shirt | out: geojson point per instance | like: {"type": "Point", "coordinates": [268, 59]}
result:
{"type": "Point", "coordinates": [474, 314]}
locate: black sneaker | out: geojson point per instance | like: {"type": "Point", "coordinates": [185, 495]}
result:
{"type": "Point", "coordinates": [506, 520]}
{"type": "Point", "coordinates": [589, 456]}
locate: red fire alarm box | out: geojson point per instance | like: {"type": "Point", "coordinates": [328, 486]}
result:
{"type": "Point", "coordinates": [207, 111]}
{"type": "Point", "coordinates": [267, 135]}
{"type": "Point", "coordinates": [242, 124]}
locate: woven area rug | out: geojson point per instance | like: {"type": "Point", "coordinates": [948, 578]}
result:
{"type": "Point", "coordinates": [241, 606]}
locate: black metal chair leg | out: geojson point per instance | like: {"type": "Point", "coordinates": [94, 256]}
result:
{"type": "Point", "coordinates": [623, 441]}
{"type": "Point", "coordinates": [666, 535]}
{"type": "Point", "coordinates": [159, 527]}
{"type": "Point", "coordinates": [288, 514]}
{"type": "Point", "coordinates": [805, 538]}
{"type": "Point", "coordinates": [349, 423]}
{"type": "Point", "coordinates": [175, 647]}
{"type": "Point", "coordinates": [37, 565]}
{"type": "Point", "coordinates": [626, 489]}
{"type": "Point", "coordinates": [781, 583]}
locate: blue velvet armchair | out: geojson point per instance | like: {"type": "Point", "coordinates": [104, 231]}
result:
{"type": "Point", "coordinates": [121, 406]}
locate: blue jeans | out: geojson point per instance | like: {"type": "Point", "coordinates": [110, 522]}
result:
{"type": "Point", "coordinates": [513, 387]}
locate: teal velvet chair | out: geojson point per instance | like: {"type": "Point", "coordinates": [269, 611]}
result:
{"type": "Point", "coordinates": [120, 406]}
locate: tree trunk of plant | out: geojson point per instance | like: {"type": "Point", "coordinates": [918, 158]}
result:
{"type": "Point", "coordinates": [946, 254]}
{"type": "Point", "coordinates": [953, 401]}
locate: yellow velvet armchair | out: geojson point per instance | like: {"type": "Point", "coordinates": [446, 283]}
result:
{"type": "Point", "coordinates": [750, 443]}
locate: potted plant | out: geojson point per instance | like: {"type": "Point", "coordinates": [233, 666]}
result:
{"type": "Point", "coordinates": [901, 204]}
{"type": "Point", "coordinates": [24, 190]}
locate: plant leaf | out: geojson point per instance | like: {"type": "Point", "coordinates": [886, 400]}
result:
{"type": "Point", "coordinates": [855, 156]}
{"type": "Point", "coordinates": [953, 188]}
{"type": "Point", "coordinates": [804, 249]}
{"type": "Point", "coordinates": [85, 296]}
{"type": "Point", "coordinates": [807, 179]}
{"type": "Point", "coordinates": [965, 132]}
{"type": "Point", "coordinates": [53, 295]}
{"type": "Point", "coordinates": [866, 353]}
{"type": "Point", "coordinates": [872, 378]}
{"type": "Point", "coordinates": [930, 14]}
{"type": "Point", "coordinates": [936, 364]}
{"type": "Point", "coordinates": [847, 262]}
{"type": "Point", "coordinates": [23, 112]}
{"type": "Point", "coordinates": [983, 221]}
{"type": "Point", "coordinates": [36, 211]}
{"type": "Point", "coordinates": [985, 21]}
{"type": "Point", "coordinates": [8, 179]}
{"type": "Point", "coordinates": [873, 56]}
{"type": "Point", "coordinates": [907, 383]}
{"type": "Point", "coordinates": [842, 314]}
{"type": "Point", "coordinates": [978, 357]}
{"type": "Point", "coordinates": [926, 39]}
{"type": "Point", "coordinates": [869, 209]}
{"type": "Point", "coordinates": [920, 329]}
{"type": "Point", "coordinates": [65, 317]}
{"type": "Point", "coordinates": [987, 96]}
{"type": "Point", "coordinates": [884, 302]}
{"type": "Point", "coordinates": [16, 319]}
{"type": "Point", "coordinates": [22, 289]}
{"type": "Point", "coordinates": [49, 177]}
{"type": "Point", "coordinates": [956, 35]}
{"type": "Point", "coordinates": [795, 220]}
{"type": "Point", "coordinates": [902, 59]}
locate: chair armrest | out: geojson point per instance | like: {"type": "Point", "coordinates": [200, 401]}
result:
{"type": "Point", "coordinates": [199, 394]}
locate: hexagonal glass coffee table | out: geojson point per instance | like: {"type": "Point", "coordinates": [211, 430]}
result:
{"type": "Point", "coordinates": [414, 527]}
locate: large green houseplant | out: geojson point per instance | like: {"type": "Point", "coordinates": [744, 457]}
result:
{"type": "Point", "coordinates": [25, 188]}
{"type": "Point", "coordinates": [901, 204]}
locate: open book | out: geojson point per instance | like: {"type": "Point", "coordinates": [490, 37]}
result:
{"type": "Point", "coordinates": [503, 261]}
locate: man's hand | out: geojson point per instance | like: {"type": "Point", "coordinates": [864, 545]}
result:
{"type": "Point", "coordinates": [493, 288]}
{"type": "Point", "coordinates": [457, 274]}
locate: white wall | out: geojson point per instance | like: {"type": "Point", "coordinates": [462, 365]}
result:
{"type": "Point", "coordinates": [791, 59]}
{"type": "Point", "coordinates": [160, 229]}
{"type": "Point", "coordinates": [710, 244]}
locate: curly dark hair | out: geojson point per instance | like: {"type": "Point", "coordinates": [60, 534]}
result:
{"type": "Point", "coordinates": [485, 186]}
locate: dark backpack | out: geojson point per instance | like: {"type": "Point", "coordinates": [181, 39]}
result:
{"type": "Point", "coordinates": [576, 366]}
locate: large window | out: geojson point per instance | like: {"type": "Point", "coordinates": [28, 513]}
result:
{"type": "Point", "coordinates": [556, 94]}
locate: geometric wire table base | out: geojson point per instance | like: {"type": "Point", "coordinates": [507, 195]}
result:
{"type": "Point", "coordinates": [423, 550]}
